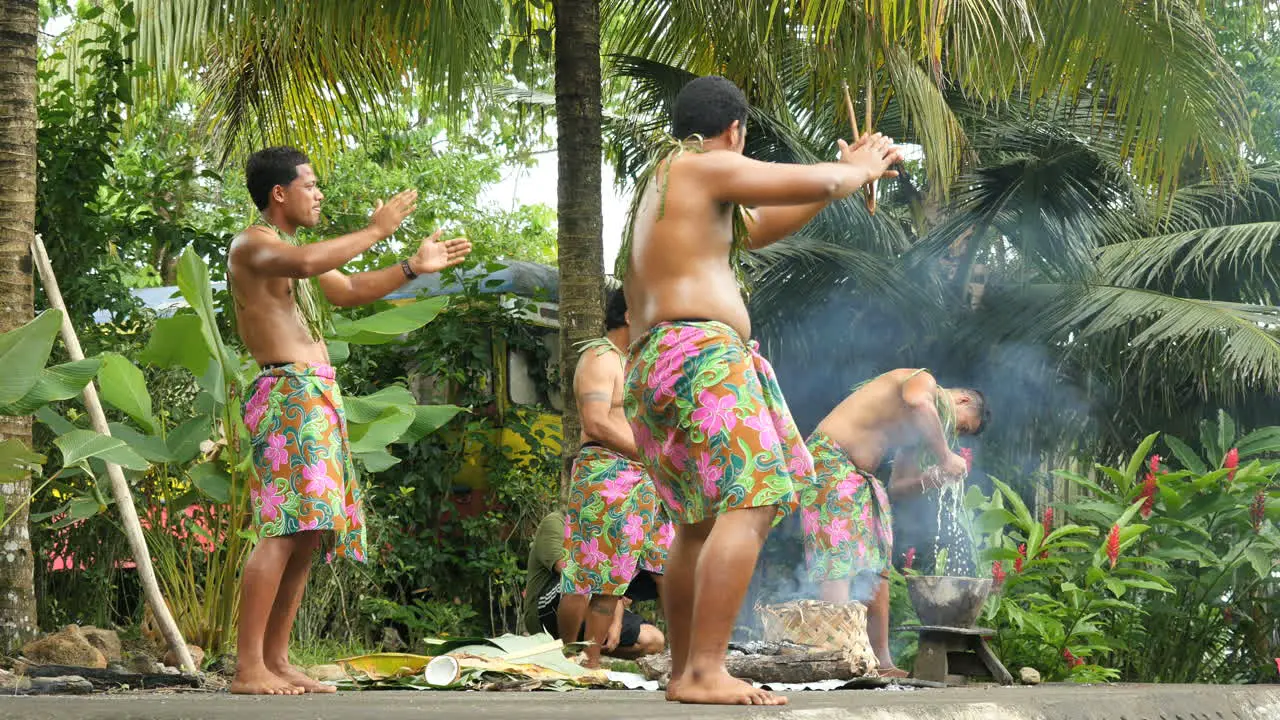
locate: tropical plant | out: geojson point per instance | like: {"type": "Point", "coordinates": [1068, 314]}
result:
{"type": "Point", "coordinates": [438, 540]}
{"type": "Point", "coordinates": [1151, 573]}
{"type": "Point", "coordinates": [1151, 62]}
{"type": "Point", "coordinates": [199, 579]}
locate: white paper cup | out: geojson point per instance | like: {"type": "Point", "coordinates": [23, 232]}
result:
{"type": "Point", "coordinates": [441, 671]}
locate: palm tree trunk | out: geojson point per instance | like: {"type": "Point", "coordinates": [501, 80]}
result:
{"type": "Point", "coordinates": [581, 253]}
{"type": "Point", "coordinates": [19, 23]}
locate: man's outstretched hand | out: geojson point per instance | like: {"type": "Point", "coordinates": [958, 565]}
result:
{"type": "Point", "coordinates": [434, 255]}
{"type": "Point", "coordinates": [388, 216]}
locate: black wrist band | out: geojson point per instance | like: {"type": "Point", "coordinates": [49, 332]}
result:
{"type": "Point", "coordinates": [408, 271]}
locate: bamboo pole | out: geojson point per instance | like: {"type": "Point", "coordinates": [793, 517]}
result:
{"type": "Point", "coordinates": [119, 486]}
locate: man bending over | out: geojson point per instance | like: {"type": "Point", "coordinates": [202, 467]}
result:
{"type": "Point", "coordinates": [848, 531]}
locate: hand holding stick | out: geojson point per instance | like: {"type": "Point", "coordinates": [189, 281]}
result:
{"type": "Point", "coordinates": [853, 125]}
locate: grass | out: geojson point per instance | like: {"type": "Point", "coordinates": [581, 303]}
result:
{"type": "Point", "coordinates": [325, 652]}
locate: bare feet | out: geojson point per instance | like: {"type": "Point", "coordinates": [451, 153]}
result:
{"type": "Point", "coordinates": [261, 681]}
{"type": "Point", "coordinates": [673, 694]}
{"type": "Point", "coordinates": [296, 677]}
{"type": "Point", "coordinates": [721, 689]}
{"type": "Point", "coordinates": [893, 672]}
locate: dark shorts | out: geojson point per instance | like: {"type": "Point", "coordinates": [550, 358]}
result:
{"type": "Point", "coordinates": [642, 588]}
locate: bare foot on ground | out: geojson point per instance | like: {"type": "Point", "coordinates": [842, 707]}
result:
{"type": "Point", "coordinates": [260, 681]}
{"type": "Point", "coordinates": [672, 692]}
{"type": "Point", "coordinates": [893, 672]}
{"type": "Point", "coordinates": [300, 679]}
{"type": "Point", "coordinates": [723, 689]}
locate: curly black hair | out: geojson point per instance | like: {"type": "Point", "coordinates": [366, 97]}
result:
{"type": "Point", "coordinates": [707, 106]}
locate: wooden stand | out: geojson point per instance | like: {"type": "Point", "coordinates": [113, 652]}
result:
{"type": "Point", "coordinates": [954, 655]}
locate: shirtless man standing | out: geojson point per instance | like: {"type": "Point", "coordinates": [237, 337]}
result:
{"type": "Point", "coordinates": [303, 487]}
{"type": "Point", "coordinates": [710, 422]}
{"type": "Point", "coordinates": [614, 527]}
{"type": "Point", "coordinates": [848, 530]}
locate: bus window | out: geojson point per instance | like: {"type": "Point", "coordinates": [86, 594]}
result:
{"type": "Point", "coordinates": [521, 388]}
{"type": "Point", "coordinates": [552, 341]}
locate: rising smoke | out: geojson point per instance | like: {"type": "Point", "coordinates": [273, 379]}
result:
{"type": "Point", "coordinates": [843, 339]}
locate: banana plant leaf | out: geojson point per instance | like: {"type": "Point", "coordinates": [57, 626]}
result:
{"type": "Point", "coordinates": [510, 662]}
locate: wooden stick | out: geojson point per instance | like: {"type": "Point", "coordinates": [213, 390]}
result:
{"type": "Point", "coordinates": [853, 115]}
{"type": "Point", "coordinates": [119, 486]}
{"type": "Point", "coordinates": [871, 186]}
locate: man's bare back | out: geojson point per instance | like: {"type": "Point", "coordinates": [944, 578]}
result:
{"type": "Point", "coordinates": [267, 315]}
{"type": "Point", "coordinates": [895, 410]}
{"type": "Point", "coordinates": [872, 420]}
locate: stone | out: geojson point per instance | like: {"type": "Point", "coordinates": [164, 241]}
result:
{"type": "Point", "coordinates": [197, 657]}
{"type": "Point", "coordinates": [326, 673]}
{"type": "Point", "coordinates": [225, 665]}
{"type": "Point", "coordinates": [142, 663]}
{"type": "Point", "coordinates": [107, 642]}
{"type": "Point", "coordinates": [9, 681]}
{"type": "Point", "coordinates": [63, 685]}
{"type": "Point", "coordinates": [1029, 676]}
{"type": "Point", "coordinates": [391, 640]}
{"type": "Point", "coordinates": [68, 646]}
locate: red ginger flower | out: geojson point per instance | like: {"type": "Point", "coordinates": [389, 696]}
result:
{"type": "Point", "coordinates": [997, 573]}
{"type": "Point", "coordinates": [1022, 555]}
{"type": "Point", "coordinates": [1258, 510]}
{"type": "Point", "coordinates": [1155, 464]}
{"type": "Point", "coordinates": [1113, 545]}
{"type": "Point", "coordinates": [1231, 462]}
{"type": "Point", "coordinates": [1072, 660]}
{"type": "Point", "coordinates": [910, 559]}
{"type": "Point", "coordinates": [1149, 495]}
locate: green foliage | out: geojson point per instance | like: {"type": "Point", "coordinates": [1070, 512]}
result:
{"type": "Point", "coordinates": [441, 545]}
{"type": "Point", "coordinates": [424, 618]}
{"type": "Point", "coordinates": [1154, 575]}
{"type": "Point", "coordinates": [79, 123]}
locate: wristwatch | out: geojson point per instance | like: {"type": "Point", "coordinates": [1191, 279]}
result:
{"type": "Point", "coordinates": [408, 271]}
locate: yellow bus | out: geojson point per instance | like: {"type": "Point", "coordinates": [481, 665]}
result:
{"type": "Point", "coordinates": [533, 289]}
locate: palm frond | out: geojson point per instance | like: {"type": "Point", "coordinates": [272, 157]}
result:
{"type": "Point", "coordinates": [311, 73]}
{"type": "Point", "coordinates": [1225, 262]}
{"type": "Point", "coordinates": [928, 119]}
{"type": "Point", "coordinates": [1167, 85]}
{"type": "Point", "coordinates": [1049, 195]}
{"type": "Point", "coordinates": [1229, 347]}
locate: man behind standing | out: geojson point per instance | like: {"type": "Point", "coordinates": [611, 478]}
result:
{"type": "Point", "coordinates": [303, 487]}
{"type": "Point", "coordinates": [848, 527]}
{"type": "Point", "coordinates": [614, 527]}
{"type": "Point", "coordinates": [709, 419]}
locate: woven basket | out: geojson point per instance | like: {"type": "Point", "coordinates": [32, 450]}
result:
{"type": "Point", "coordinates": [823, 625]}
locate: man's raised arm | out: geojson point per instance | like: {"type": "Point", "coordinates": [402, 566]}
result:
{"type": "Point", "coordinates": [786, 196]}
{"type": "Point", "coordinates": [263, 252]}
{"type": "Point", "coordinates": [363, 288]}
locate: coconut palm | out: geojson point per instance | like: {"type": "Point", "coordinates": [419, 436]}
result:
{"type": "Point", "coordinates": [1090, 309]}
{"type": "Point", "coordinates": [1159, 72]}
{"type": "Point", "coordinates": [19, 26]}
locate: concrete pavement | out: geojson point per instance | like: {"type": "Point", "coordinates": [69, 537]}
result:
{"type": "Point", "coordinates": [1047, 702]}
